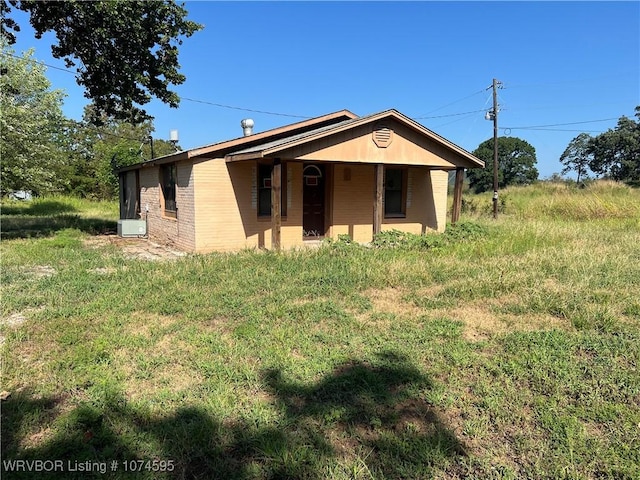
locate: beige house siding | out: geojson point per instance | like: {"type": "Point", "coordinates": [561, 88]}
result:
{"type": "Point", "coordinates": [227, 207]}
{"type": "Point", "coordinates": [424, 200]}
{"type": "Point", "coordinates": [439, 186]}
{"type": "Point", "coordinates": [407, 147]}
{"type": "Point", "coordinates": [353, 202]}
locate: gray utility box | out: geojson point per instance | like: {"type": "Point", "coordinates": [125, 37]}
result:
{"type": "Point", "coordinates": [132, 228]}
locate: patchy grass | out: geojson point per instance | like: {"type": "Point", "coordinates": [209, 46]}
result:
{"type": "Point", "coordinates": [509, 353]}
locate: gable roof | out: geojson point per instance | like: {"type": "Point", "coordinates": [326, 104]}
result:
{"type": "Point", "coordinates": [271, 148]}
{"type": "Point", "coordinates": [220, 149]}
{"type": "Point", "coordinates": [269, 143]}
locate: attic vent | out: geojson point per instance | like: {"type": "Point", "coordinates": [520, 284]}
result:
{"type": "Point", "coordinates": [382, 135]}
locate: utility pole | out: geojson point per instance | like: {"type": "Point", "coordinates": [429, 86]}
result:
{"type": "Point", "coordinates": [493, 115]}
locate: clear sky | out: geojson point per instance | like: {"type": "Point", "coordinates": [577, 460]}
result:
{"type": "Point", "coordinates": [560, 63]}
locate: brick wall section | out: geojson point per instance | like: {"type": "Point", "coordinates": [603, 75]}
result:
{"type": "Point", "coordinates": [426, 202]}
{"type": "Point", "coordinates": [353, 202]}
{"type": "Point", "coordinates": [440, 184]}
{"type": "Point", "coordinates": [226, 213]}
{"type": "Point", "coordinates": [180, 232]}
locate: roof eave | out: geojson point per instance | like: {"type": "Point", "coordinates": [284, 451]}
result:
{"type": "Point", "coordinates": [173, 157]}
{"type": "Point", "coordinates": [244, 156]}
{"type": "Point", "coordinates": [236, 142]}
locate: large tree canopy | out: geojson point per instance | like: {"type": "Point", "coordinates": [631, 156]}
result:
{"type": "Point", "coordinates": [516, 164]}
{"type": "Point", "coordinates": [95, 153]}
{"type": "Point", "coordinates": [616, 152]}
{"type": "Point", "coordinates": [31, 124]}
{"type": "Point", "coordinates": [577, 156]}
{"type": "Point", "coordinates": [125, 53]}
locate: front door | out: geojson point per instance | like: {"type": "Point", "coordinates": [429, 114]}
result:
{"type": "Point", "coordinates": [313, 201]}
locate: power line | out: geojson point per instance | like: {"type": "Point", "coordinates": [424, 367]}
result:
{"type": "Point", "coordinates": [554, 130]}
{"type": "Point", "coordinates": [33, 60]}
{"type": "Point", "coordinates": [531, 127]}
{"type": "Point", "coordinates": [449, 104]}
{"type": "Point", "coordinates": [243, 109]}
{"type": "Point", "coordinates": [265, 112]}
{"type": "Point", "coordinates": [456, 120]}
{"type": "Point", "coordinates": [452, 114]}
{"type": "Point", "coordinates": [576, 80]}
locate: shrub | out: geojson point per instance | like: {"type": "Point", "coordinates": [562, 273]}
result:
{"type": "Point", "coordinates": [455, 233]}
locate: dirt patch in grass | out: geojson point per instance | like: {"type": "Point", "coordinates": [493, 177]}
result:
{"type": "Point", "coordinates": [481, 322]}
{"type": "Point", "coordinates": [156, 368]}
{"type": "Point", "coordinates": [40, 271]}
{"type": "Point", "coordinates": [390, 300]}
{"type": "Point", "coordinates": [138, 248]}
{"type": "Point", "coordinates": [172, 378]}
{"type": "Point", "coordinates": [480, 319]}
{"type": "Point", "coordinates": [103, 270]}
{"type": "Point", "coordinates": [146, 324]}
{"type": "Point", "coordinates": [16, 320]}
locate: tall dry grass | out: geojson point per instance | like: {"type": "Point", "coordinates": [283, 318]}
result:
{"type": "Point", "coordinates": [603, 199]}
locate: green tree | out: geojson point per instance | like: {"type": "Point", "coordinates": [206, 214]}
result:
{"type": "Point", "coordinates": [30, 124]}
{"type": "Point", "coordinates": [616, 152]}
{"type": "Point", "coordinates": [516, 164]}
{"type": "Point", "coordinates": [577, 156]}
{"type": "Point", "coordinates": [126, 52]}
{"type": "Point", "coordinates": [95, 153]}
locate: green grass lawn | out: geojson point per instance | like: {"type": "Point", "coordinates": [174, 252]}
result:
{"type": "Point", "coordinates": [502, 349]}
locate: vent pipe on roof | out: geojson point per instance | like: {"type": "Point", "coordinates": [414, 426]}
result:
{"type": "Point", "coordinates": [247, 127]}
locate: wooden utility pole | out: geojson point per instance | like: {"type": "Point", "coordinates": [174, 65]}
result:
{"type": "Point", "coordinates": [495, 148]}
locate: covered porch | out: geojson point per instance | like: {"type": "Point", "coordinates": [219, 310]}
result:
{"type": "Point", "coordinates": [314, 200]}
{"type": "Point", "coordinates": [356, 178]}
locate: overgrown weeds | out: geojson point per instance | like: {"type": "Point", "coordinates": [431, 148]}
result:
{"type": "Point", "coordinates": [462, 231]}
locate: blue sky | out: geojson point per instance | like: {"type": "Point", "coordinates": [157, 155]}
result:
{"type": "Point", "coordinates": [560, 63]}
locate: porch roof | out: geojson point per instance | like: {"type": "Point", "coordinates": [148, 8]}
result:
{"type": "Point", "coordinates": [277, 147]}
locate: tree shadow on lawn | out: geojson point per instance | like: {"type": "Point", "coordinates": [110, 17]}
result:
{"type": "Point", "coordinates": [38, 208]}
{"type": "Point", "coordinates": [19, 226]}
{"type": "Point", "coordinates": [360, 410]}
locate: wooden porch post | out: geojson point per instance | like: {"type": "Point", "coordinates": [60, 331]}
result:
{"type": "Point", "coordinates": [276, 189]}
{"type": "Point", "coordinates": [377, 199]}
{"type": "Point", "coordinates": [457, 195]}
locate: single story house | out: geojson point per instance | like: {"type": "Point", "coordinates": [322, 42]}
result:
{"type": "Point", "coordinates": [331, 175]}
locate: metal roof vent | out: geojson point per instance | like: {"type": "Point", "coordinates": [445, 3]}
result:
{"type": "Point", "coordinates": [382, 135]}
{"type": "Point", "coordinates": [247, 127]}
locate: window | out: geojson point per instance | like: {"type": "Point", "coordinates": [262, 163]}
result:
{"type": "Point", "coordinates": [395, 192]}
{"type": "Point", "coordinates": [168, 176]}
{"type": "Point", "coordinates": [264, 191]}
